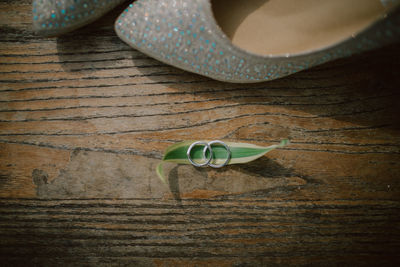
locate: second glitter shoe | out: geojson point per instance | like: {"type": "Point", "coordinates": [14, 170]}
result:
{"type": "Point", "coordinates": [53, 18]}
{"type": "Point", "coordinates": [256, 40]}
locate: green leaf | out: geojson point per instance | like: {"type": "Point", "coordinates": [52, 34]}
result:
{"type": "Point", "coordinates": [240, 153]}
{"type": "Point", "coordinates": [160, 172]}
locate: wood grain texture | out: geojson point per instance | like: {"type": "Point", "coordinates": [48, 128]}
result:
{"type": "Point", "coordinates": [84, 120]}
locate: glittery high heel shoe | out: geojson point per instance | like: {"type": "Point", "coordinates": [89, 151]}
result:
{"type": "Point", "coordinates": [256, 40]}
{"type": "Point", "coordinates": [52, 18]}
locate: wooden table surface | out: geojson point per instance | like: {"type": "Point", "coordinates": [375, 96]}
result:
{"type": "Point", "coordinates": [84, 120]}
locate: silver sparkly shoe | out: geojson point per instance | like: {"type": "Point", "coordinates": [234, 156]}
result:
{"type": "Point", "coordinates": [232, 48]}
{"type": "Point", "coordinates": [52, 18]}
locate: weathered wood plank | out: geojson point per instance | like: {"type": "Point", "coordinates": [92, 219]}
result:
{"type": "Point", "coordinates": [223, 231]}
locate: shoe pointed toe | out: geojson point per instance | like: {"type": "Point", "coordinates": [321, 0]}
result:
{"type": "Point", "coordinates": [184, 34]}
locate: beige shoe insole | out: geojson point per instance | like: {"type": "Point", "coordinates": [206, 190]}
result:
{"type": "Point", "coordinates": [277, 27]}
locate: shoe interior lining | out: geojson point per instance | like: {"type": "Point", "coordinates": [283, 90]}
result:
{"type": "Point", "coordinates": [278, 27]}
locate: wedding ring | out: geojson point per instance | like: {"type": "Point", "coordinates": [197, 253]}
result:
{"type": "Point", "coordinates": [207, 160]}
{"type": "Point", "coordinates": [206, 146]}
{"type": "Point", "coordinates": [227, 151]}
